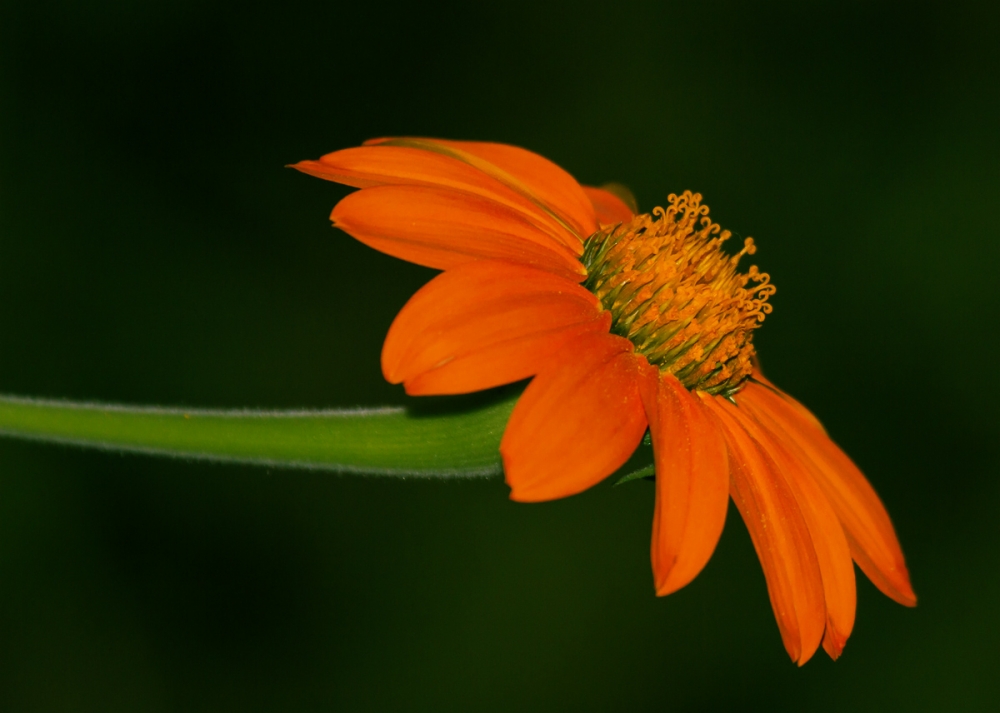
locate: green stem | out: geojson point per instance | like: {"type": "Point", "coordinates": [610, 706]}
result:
{"type": "Point", "coordinates": [458, 436]}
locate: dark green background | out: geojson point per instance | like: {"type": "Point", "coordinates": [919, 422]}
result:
{"type": "Point", "coordinates": [154, 250]}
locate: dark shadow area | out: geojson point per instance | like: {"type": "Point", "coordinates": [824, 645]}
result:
{"type": "Point", "coordinates": [431, 406]}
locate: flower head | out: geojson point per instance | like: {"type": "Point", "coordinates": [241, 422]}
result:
{"type": "Point", "coordinates": [677, 296]}
{"type": "Point", "coordinates": [625, 323]}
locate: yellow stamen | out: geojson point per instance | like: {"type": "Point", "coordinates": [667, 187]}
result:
{"type": "Point", "coordinates": [679, 299]}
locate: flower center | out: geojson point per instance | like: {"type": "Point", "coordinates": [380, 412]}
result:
{"type": "Point", "coordinates": [678, 298]}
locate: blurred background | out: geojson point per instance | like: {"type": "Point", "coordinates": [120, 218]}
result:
{"type": "Point", "coordinates": [153, 249]}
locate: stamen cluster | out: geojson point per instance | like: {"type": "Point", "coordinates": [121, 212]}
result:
{"type": "Point", "coordinates": [677, 296]}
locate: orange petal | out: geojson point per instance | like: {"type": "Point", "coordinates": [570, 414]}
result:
{"type": "Point", "coordinates": [692, 481]}
{"type": "Point", "coordinates": [610, 209]}
{"type": "Point", "coordinates": [368, 166]}
{"type": "Point", "coordinates": [577, 422]}
{"type": "Point", "coordinates": [442, 228]}
{"type": "Point", "coordinates": [866, 523]}
{"type": "Point", "coordinates": [484, 324]}
{"type": "Point", "coordinates": [805, 413]}
{"type": "Point", "coordinates": [779, 533]}
{"type": "Point", "coordinates": [501, 363]}
{"type": "Point", "coordinates": [828, 537]}
{"type": "Point", "coordinates": [527, 173]}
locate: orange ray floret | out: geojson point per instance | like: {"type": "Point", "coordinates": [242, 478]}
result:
{"type": "Point", "coordinates": [780, 535]}
{"type": "Point", "coordinates": [387, 165]}
{"type": "Point", "coordinates": [538, 179]}
{"type": "Point", "coordinates": [484, 324]}
{"type": "Point", "coordinates": [442, 228]}
{"type": "Point", "coordinates": [692, 485]}
{"type": "Point", "coordinates": [624, 322]}
{"type": "Point", "coordinates": [596, 392]}
{"type": "Point", "coordinates": [826, 532]}
{"type": "Point", "coordinates": [866, 523]}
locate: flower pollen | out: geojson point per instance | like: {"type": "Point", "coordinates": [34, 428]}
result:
{"type": "Point", "coordinates": [677, 296]}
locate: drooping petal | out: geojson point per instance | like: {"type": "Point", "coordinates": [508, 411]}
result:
{"type": "Point", "coordinates": [577, 422]}
{"type": "Point", "coordinates": [610, 209]}
{"type": "Point", "coordinates": [803, 412]}
{"type": "Point", "coordinates": [829, 541]}
{"type": "Point", "coordinates": [866, 523]}
{"type": "Point", "coordinates": [779, 533]}
{"type": "Point", "coordinates": [442, 228]}
{"type": "Point", "coordinates": [692, 481]}
{"type": "Point", "coordinates": [484, 324]}
{"type": "Point", "coordinates": [525, 172]}
{"type": "Point", "coordinates": [390, 165]}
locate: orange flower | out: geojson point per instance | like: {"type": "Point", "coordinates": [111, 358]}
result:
{"type": "Point", "coordinates": [626, 322]}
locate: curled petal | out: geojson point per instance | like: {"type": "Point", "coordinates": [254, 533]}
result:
{"type": "Point", "coordinates": [442, 228]}
{"type": "Point", "coordinates": [779, 533]}
{"type": "Point", "coordinates": [484, 324]}
{"type": "Point", "coordinates": [869, 530]}
{"type": "Point", "coordinates": [692, 481]}
{"type": "Point", "coordinates": [577, 422]}
{"type": "Point", "coordinates": [610, 209]}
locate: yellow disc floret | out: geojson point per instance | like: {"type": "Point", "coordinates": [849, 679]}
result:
{"type": "Point", "coordinates": [677, 296]}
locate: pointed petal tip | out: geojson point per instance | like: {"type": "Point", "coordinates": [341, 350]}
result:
{"type": "Point", "coordinates": [668, 584]}
{"type": "Point", "coordinates": [411, 386]}
{"type": "Point", "coordinates": [806, 655]}
{"type": "Point", "coordinates": [670, 578]}
{"type": "Point", "coordinates": [904, 589]}
{"type": "Point", "coordinates": [833, 643]}
{"type": "Point", "coordinates": [533, 492]}
{"type": "Point", "coordinates": [895, 584]}
{"type": "Point", "coordinates": [665, 589]}
{"type": "Point", "coordinates": [793, 649]}
{"type": "Point", "coordinates": [907, 598]}
{"type": "Point", "coordinates": [304, 166]}
{"type": "Point", "coordinates": [661, 577]}
{"type": "Point", "coordinates": [521, 491]}
{"type": "Point", "coordinates": [892, 581]}
{"type": "Point", "coordinates": [524, 495]}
